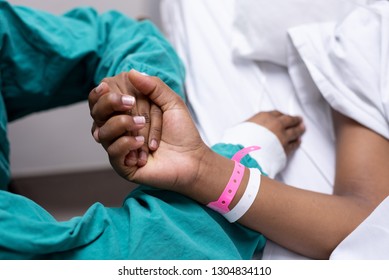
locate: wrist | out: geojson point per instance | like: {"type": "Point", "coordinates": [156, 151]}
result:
{"type": "Point", "coordinates": [213, 175]}
{"type": "Point", "coordinates": [214, 170]}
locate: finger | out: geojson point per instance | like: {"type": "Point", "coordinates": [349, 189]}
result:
{"type": "Point", "coordinates": [109, 104]}
{"type": "Point", "coordinates": [292, 146]}
{"type": "Point", "coordinates": [275, 113]}
{"type": "Point", "coordinates": [155, 127]}
{"type": "Point", "coordinates": [143, 107]}
{"type": "Point", "coordinates": [95, 132]}
{"type": "Point", "coordinates": [290, 121]}
{"type": "Point", "coordinates": [96, 93]}
{"type": "Point", "coordinates": [118, 126]}
{"type": "Point", "coordinates": [125, 87]}
{"type": "Point", "coordinates": [156, 90]}
{"type": "Point", "coordinates": [123, 146]}
{"type": "Point", "coordinates": [143, 153]}
{"type": "Point", "coordinates": [131, 159]}
{"type": "Point", "coordinates": [295, 132]}
{"type": "Point", "coordinates": [118, 83]}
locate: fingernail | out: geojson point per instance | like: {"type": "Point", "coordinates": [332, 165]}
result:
{"type": "Point", "coordinates": [139, 138]}
{"type": "Point", "coordinates": [142, 73]}
{"type": "Point", "coordinates": [128, 100]}
{"type": "Point", "coordinates": [153, 144]}
{"type": "Point", "coordinates": [139, 120]}
{"type": "Point", "coordinates": [96, 135]}
{"type": "Point", "coordinates": [99, 88]}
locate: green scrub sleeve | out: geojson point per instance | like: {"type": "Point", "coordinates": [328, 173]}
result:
{"type": "Point", "coordinates": [48, 60]}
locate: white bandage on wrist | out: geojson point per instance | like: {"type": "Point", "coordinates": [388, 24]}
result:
{"type": "Point", "coordinates": [248, 197]}
{"type": "Point", "coordinates": [271, 158]}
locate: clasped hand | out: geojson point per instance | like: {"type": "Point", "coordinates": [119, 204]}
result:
{"type": "Point", "coordinates": [175, 162]}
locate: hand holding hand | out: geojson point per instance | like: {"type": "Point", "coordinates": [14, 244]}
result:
{"type": "Point", "coordinates": [122, 95]}
{"type": "Point", "coordinates": [177, 160]}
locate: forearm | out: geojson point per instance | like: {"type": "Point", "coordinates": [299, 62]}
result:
{"type": "Point", "coordinates": [309, 223]}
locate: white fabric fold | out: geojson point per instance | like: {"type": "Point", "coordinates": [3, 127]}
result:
{"type": "Point", "coordinates": [260, 26]}
{"type": "Point", "coordinates": [349, 63]}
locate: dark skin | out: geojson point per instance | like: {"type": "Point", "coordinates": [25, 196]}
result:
{"type": "Point", "coordinates": [309, 223]}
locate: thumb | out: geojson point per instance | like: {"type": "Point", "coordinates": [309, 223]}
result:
{"type": "Point", "coordinates": [153, 87]}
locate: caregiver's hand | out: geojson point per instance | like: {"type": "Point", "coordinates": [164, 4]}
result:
{"type": "Point", "coordinates": [122, 95]}
{"type": "Point", "coordinates": [176, 162]}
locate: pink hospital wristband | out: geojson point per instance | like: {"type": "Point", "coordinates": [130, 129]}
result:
{"type": "Point", "coordinates": [222, 204]}
{"type": "Point", "coordinates": [240, 154]}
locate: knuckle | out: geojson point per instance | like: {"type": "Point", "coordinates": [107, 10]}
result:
{"type": "Point", "coordinates": [112, 151]}
{"type": "Point", "coordinates": [278, 124]}
{"type": "Point", "coordinates": [103, 136]}
{"type": "Point", "coordinates": [92, 96]}
{"type": "Point", "coordinates": [93, 114]}
{"type": "Point", "coordinates": [158, 80]}
{"type": "Point", "coordinates": [112, 97]}
{"type": "Point", "coordinates": [106, 80]}
{"type": "Point", "coordinates": [125, 141]}
{"type": "Point", "coordinates": [96, 118]}
{"type": "Point", "coordinates": [123, 74]}
{"type": "Point", "coordinates": [119, 147]}
{"type": "Point", "coordinates": [123, 120]}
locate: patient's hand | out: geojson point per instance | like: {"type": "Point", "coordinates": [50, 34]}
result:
{"type": "Point", "coordinates": [115, 88]}
{"type": "Point", "coordinates": [288, 129]}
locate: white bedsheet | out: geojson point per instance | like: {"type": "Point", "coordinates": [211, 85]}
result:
{"type": "Point", "coordinates": [349, 62]}
{"type": "Point", "coordinates": [223, 91]}
{"type": "Point", "coordinates": [260, 26]}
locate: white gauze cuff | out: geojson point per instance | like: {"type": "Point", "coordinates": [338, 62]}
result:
{"type": "Point", "coordinates": [271, 157]}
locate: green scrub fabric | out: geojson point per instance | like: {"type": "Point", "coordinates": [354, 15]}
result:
{"type": "Point", "coordinates": [48, 61]}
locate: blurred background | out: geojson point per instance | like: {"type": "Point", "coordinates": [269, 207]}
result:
{"type": "Point", "coordinates": [54, 159]}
